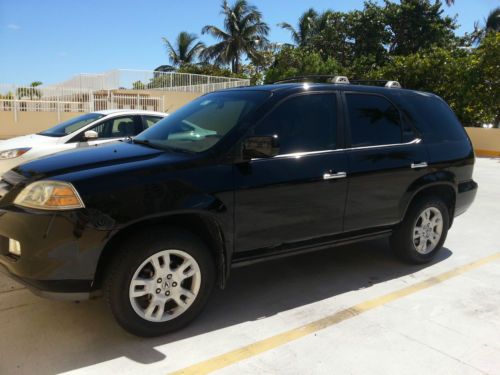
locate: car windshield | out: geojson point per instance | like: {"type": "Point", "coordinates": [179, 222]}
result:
{"type": "Point", "coordinates": [202, 123]}
{"type": "Point", "coordinates": [72, 125]}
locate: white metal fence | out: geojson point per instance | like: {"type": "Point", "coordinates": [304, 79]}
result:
{"type": "Point", "coordinates": [152, 80]}
{"type": "Point", "coordinates": [63, 99]}
{"type": "Point", "coordinates": [92, 92]}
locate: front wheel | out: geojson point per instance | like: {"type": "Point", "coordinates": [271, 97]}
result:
{"type": "Point", "coordinates": [423, 231]}
{"type": "Point", "coordinates": [160, 282]}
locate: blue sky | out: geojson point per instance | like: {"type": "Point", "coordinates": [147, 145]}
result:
{"type": "Point", "coordinates": [51, 40]}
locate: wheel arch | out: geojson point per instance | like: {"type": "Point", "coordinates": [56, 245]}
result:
{"type": "Point", "coordinates": [441, 184]}
{"type": "Point", "coordinates": [201, 224]}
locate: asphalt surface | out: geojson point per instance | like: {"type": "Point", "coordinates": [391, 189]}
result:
{"type": "Point", "coordinates": [348, 310]}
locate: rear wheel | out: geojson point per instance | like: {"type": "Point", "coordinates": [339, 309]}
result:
{"type": "Point", "coordinates": [160, 283]}
{"type": "Point", "coordinates": [423, 231]}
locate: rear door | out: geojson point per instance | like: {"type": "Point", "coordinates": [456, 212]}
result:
{"type": "Point", "coordinates": [385, 158]}
{"type": "Point", "coordinates": [299, 195]}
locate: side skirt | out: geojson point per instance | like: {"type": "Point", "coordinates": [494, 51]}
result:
{"type": "Point", "coordinates": [261, 255]}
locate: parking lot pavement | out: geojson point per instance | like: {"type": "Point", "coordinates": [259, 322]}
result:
{"type": "Point", "coordinates": [449, 326]}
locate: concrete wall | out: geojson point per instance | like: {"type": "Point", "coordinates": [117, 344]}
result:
{"type": "Point", "coordinates": [34, 122]}
{"type": "Point", "coordinates": [486, 141]}
{"type": "Point", "coordinates": [30, 122]}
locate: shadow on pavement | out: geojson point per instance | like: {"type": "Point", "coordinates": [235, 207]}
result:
{"type": "Point", "coordinates": [50, 336]}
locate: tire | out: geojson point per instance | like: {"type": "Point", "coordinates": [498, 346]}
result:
{"type": "Point", "coordinates": [141, 280]}
{"type": "Point", "coordinates": [424, 247]}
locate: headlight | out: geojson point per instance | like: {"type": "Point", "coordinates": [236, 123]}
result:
{"type": "Point", "coordinates": [14, 153]}
{"type": "Point", "coordinates": [49, 195]}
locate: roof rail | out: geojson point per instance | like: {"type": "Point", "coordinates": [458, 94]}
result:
{"type": "Point", "coordinates": [324, 78]}
{"type": "Point", "coordinates": [393, 84]}
{"type": "Point", "coordinates": [377, 82]}
{"type": "Point", "coordinates": [318, 78]}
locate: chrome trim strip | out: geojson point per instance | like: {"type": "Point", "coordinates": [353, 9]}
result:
{"type": "Point", "coordinates": [306, 153]}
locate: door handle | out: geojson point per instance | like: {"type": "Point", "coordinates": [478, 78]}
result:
{"type": "Point", "coordinates": [419, 165]}
{"type": "Point", "coordinates": [331, 176]}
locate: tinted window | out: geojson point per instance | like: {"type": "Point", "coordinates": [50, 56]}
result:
{"type": "Point", "coordinates": [373, 120]}
{"type": "Point", "coordinates": [72, 125]}
{"type": "Point", "coordinates": [202, 123]}
{"type": "Point", "coordinates": [151, 120]}
{"type": "Point", "coordinates": [434, 118]}
{"type": "Point", "coordinates": [303, 123]}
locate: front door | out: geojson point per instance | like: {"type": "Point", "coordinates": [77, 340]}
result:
{"type": "Point", "coordinates": [298, 195]}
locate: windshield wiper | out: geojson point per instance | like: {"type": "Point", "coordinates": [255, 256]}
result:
{"type": "Point", "coordinates": [163, 147]}
{"type": "Point", "coordinates": [143, 142]}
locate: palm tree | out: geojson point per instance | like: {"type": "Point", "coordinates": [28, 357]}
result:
{"type": "Point", "coordinates": [306, 27]}
{"type": "Point", "coordinates": [493, 20]}
{"type": "Point", "coordinates": [244, 34]}
{"type": "Point", "coordinates": [30, 91]}
{"type": "Point", "coordinates": [185, 50]}
{"type": "Point", "coordinates": [491, 24]}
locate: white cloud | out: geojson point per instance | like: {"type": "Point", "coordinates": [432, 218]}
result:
{"type": "Point", "coordinates": [13, 26]}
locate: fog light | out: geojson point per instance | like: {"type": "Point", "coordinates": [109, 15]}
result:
{"type": "Point", "coordinates": [14, 247]}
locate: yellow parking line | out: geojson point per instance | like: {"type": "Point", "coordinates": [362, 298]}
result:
{"type": "Point", "coordinates": [234, 356]}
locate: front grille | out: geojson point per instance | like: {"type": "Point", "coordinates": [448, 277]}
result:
{"type": "Point", "coordinates": [8, 181]}
{"type": "Point", "coordinates": [5, 187]}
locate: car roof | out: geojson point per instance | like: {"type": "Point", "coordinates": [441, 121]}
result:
{"type": "Point", "coordinates": [108, 112]}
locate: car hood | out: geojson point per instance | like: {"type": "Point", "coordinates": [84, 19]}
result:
{"type": "Point", "coordinates": [85, 159]}
{"type": "Point", "coordinates": [31, 140]}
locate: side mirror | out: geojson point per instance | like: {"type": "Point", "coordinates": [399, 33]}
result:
{"type": "Point", "coordinates": [260, 147]}
{"type": "Point", "coordinates": [90, 135]}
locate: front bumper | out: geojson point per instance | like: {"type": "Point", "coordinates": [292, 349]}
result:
{"type": "Point", "coordinates": [60, 251]}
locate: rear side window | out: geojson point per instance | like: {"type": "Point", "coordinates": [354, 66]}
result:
{"type": "Point", "coordinates": [303, 123]}
{"type": "Point", "coordinates": [434, 118]}
{"type": "Point", "coordinates": [373, 120]}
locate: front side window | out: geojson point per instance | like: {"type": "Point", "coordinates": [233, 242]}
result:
{"type": "Point", "coordinates": [373, 120]}
{"type": "Point", "coordinates": [72, 125]}
{"type": "Point", "coordinates": [201, 124]}
{"type": "Point", "coordinates": [118, 127]}
{"type": "Point", "coordinates": [303, 123]}
{"type": "Point", "coordinates": [149, 121]}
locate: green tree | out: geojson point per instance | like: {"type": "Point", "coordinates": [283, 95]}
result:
{"type": "Point", "coordinates": [244, 34]}
{"type": "Point", "coordinates": [292, 62]}
{"type": "Point", "coordinates": [417, 25]}
{"type": "Point", "coordinates": [469, 80]}
{"type": "Point", "coordinates": [307, 27]}
{"type": "Point", "coordinates": [185, 50]}
{"type": "Point", "coordinates": [368, 32]}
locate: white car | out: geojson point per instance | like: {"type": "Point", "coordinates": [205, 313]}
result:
{"type": "Point", "coordinates": [86, 130]}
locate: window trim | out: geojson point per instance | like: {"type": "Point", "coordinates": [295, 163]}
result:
{"type": "Point", "coordinates": [347, 122]}
{"type": "Point", "coordinates": [298, 155]}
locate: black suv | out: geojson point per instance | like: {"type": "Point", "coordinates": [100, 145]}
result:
{"type": "Point", "coordinates": [234, 177]}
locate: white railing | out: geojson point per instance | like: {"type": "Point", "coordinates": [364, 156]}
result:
{"type": "Point", "coordinates": [149, 79]}
{"type": "Point", "coordinates": [90, 92]}
{"type": "Point", "coordinates": [18, 99]}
